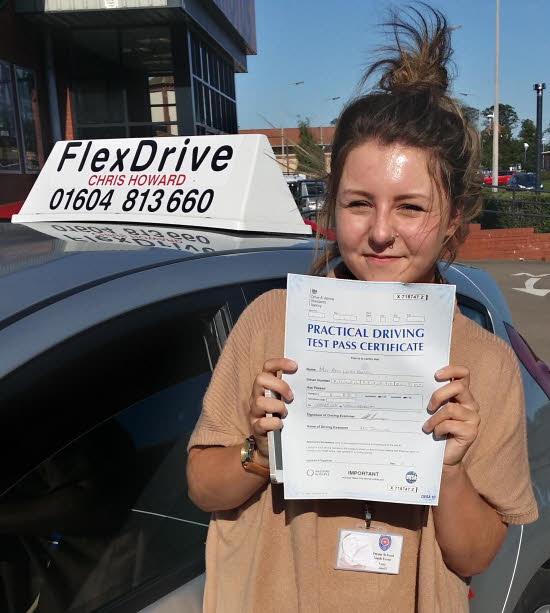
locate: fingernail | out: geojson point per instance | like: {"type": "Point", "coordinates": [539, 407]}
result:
{"type": "Point", "coordinates": [294, 365]}
{"type": "Point", "coordinates": [291, 396]}
{"type": "Point", "coordinates": [439, 373]}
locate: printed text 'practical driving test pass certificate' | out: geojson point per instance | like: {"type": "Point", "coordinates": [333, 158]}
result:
{"type": "Point", "coordinates": [367, 354]}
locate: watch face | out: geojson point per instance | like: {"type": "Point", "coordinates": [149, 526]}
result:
{"type": "Point", "coordinates": [246, 451]}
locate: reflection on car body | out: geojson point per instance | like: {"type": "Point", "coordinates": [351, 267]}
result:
{"type": "Point", "coordinates": [110, 332]}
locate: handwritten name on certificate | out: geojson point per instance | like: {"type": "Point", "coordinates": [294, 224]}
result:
{"type": "Point", "coordinates": [367, 354]}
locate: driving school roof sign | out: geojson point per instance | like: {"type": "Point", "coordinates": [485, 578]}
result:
{"type": "Point", "coordinates": [229, 182]}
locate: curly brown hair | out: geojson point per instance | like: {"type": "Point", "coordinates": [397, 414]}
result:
{"type": "Point", "coordinates": [410, 105]}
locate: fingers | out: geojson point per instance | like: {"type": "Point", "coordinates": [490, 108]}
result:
{"type": "Point", "coordinates": [462, 432]}
{"type": "Point", "coordinates": [445, 420]}
{"type": "Point", "coordinates": [268, 379]}
{"type": "Point", "coordinates": [262, 405]}
{"type": "Point", "coordinates": [456, 401]}
{"type": "Point", "coordinates": [458, 389]}
{"type": "Point", "coordinates": [453, 372]}
{"type": "Point", "coordinates": [264, 425]}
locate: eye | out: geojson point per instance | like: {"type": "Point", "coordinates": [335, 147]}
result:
{"type": "Point", "coordinates": [411, 208]}
{"type": "Point", "coordinates": [357, 204]}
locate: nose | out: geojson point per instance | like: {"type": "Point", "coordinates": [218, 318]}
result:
{"type": "Point", "coordinates": [382, 233]}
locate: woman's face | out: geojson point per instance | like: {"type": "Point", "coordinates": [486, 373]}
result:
{"type": "Point", "coordinates": [390, 220]}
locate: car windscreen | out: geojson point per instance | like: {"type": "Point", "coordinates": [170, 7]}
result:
{"type": "Point", "coordinates": [315, 188]}
{"type": "Point", "coordinates": [526, 180]}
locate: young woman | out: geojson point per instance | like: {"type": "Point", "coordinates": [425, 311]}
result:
{"type": "Point", "coordinates": [403, 186]}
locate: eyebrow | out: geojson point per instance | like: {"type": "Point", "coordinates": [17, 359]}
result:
{"type": "Point", "coordinates": [399, 198]}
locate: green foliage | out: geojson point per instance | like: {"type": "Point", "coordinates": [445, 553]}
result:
{"type": "Point", "coordinates": [528, 131]}
{"type": "Point", "coordinates": [515, 210]}
{"type": "Point", "coordinates": [510, 151]}
{"type": "Point", "coordinates": [528, 134]}
{"type": "Point", "coordinates": [471, 114]}
{"type": "Point", "coordinates": [507, 117]}
{"type": "Point", "coordinates": [311, 159]}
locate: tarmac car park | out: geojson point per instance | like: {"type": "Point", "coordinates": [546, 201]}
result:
{"type": "Point", "coordinates": [110, 327]}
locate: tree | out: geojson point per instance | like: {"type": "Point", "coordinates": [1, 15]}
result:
{"type": "Point", "coordinates": [507, 118]}
{"type": "Point", "coordinates": [528, 134]}
{"type": "Point", "coordinates": [510, 151]}
{"type": "Point", "coordinates": [311, 159]}
{"type": "Point", "coordinates": [471, 114]}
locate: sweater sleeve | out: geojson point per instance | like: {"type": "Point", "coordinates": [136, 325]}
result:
{"type": "Point", "coordinates": [224, 418]}
{"type": "Point", "coordinates": [498, 464]}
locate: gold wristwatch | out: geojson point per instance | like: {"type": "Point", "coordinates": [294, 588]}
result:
{"type": "Point", "coordinates": [247, 458]}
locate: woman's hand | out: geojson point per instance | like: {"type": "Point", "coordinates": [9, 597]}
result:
{"type": "Point", "coordinates": [260, 405]}
{"type": "Point", "coordinates": [459, 418]}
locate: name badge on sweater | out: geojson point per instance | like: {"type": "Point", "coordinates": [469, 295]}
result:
{"type": "Point", "coordinates": [369, 552]}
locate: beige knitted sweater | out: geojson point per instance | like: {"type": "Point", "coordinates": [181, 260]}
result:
{"type": "Point", "coordinates": [277, 556]}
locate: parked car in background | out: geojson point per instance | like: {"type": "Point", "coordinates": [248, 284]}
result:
{"type": "Point", "coordinates": [110, 330]}
{"type": "Point", "coordinates": [309, 194]}
{"type": "Point", "coordinates": [503, 178]}
{"type": "Point", "coordinates": [523, 181]}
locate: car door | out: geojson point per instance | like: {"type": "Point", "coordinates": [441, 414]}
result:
{"type": "Point", "coordinates": [99, 392]}
{"type": "Point", "coordinates": [94, 505]}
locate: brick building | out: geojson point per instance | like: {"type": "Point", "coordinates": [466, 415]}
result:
{"type": "Point", "coordinates": [284, 141]}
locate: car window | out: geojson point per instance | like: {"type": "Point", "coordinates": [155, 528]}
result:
{"type": "Point", "coordinates": [315, 188]}
{"type": "Point", "coordinates": [106, 518]}
{"type": "Point", "coordinates": [252, 290]}
{"type": "Point", "coordinates": [527, 180]}
{"type": "Point", "coordinates": [474, 310]}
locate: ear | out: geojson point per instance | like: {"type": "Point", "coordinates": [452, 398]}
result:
{"type": "Point", "coordinates": [454, 222]}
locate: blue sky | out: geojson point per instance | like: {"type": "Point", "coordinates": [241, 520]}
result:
{"type": "Point", "coordinates": [328, 44]}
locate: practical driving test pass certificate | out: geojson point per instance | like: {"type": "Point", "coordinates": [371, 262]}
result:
{"type": "Point", "coordinates": [367, 354]}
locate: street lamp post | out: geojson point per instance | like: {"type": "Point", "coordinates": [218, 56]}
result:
{"type": "Point", "coordinates": [495, 108]}
{"type": "Point", "coordinates": [331, 99]}
{"type": "Point", "coordinates": [539, 88]}
{"type": "Point", "coordinates": [525, 147]}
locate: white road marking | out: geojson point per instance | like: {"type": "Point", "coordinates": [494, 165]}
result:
{"type": "Point", "coordinates": [530, 284]}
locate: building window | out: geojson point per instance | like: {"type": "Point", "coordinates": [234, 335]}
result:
{"type": "Point", "coordinates": [27, 101]}
{"type": "Point", "coordinates": [162, 98]}
{"type": "Point", "coordinates": [123, 84]}
{"type": "Point", "coordinates": [9, 142]}
{"type": "Point", "coordinates": [213, 90]}
{"type": "Point", "coordinates": [20, 140]}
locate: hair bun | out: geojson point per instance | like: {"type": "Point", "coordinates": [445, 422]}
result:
{"type": "Point", "coordinates": [419, 57]}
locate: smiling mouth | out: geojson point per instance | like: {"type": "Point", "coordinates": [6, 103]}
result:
{"type": "Point", "coordinates": [381, 259]}
{"type": "Point", "coordinates": [374, 256]}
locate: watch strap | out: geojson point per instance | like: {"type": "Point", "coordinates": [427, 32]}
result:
{"type": "Point", "coordinates": [257, 469]}
{"type": "Point", "coordinates": [247, 455]}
